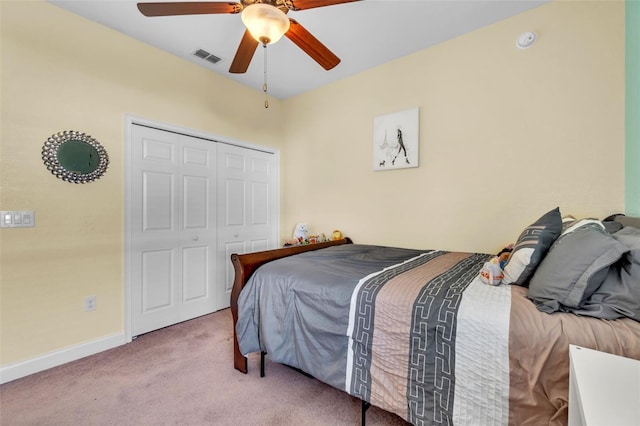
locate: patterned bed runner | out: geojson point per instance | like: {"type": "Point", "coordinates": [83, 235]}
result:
{"type": "Point", "coordinates": [403, 321]}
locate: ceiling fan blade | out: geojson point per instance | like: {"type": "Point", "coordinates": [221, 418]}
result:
{"type": "Point", "coordinates": [310, 4]}
{"type": "Point", "coordinates": [311, 45]}
{"type": "Point", "coordinates": [245, 52]}
{"type": "Point", "coordinates": [188, 8]}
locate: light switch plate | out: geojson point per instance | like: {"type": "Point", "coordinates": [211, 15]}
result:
{"type": "Point", "coordinates": [17, 219]}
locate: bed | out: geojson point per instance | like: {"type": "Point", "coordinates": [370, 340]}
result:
{"type": "Point", "coordinates": [417, 332]}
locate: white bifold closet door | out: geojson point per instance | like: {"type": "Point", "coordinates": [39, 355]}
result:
{"type": "Point", "coordinates": [247, 206]}
{"type": "Point", "coordinates": [193, 203]}
{"type": "Point", "coordinates": [173, 228]}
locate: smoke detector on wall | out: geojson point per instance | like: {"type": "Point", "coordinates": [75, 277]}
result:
{"type": "Point", "coordinates": [526, 40]}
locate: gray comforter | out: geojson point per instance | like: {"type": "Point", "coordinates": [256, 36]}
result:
{"type": "Point", "coordinates": [283, 311]}
{"type": "Point", "coordinates": [417, 333]}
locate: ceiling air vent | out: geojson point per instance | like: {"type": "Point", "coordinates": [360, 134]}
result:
{"type": "Point", "coordinates": [200, 53]}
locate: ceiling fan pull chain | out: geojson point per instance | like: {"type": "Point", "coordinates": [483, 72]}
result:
{"type": "Point", "coordinates": [264, 86]}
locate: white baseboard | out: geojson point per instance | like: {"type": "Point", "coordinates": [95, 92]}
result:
{"type": "Point", "coordinates": [53, 359]}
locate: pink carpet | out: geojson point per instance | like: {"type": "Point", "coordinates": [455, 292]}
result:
{"type": "Point", "coordinates": [180, 375]}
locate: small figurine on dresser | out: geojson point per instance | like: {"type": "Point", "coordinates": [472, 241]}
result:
{"type": "Point", "coordinates": [300, 233]}
{"type": "Point", "coordinates": [336, 235]}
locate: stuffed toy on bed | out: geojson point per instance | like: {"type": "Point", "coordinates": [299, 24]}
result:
{"type": "Point", "coordinates": [504, 254]}
{"type": "Point", "coordinates": [491, 272]}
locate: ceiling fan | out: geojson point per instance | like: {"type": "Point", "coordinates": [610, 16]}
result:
{"type": "Point", "coordinates": [266, 22]}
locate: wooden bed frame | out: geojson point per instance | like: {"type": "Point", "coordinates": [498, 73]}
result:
{"type": "Point", "coordinates": [244, 266]}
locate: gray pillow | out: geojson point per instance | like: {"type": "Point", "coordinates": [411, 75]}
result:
{"type": "Point", "coordinates": [611, 226]}
{"type": "Point", "coordinates": [619, 294]}
{"type": "Point", "coordinates": [575, 267]}
{"type": "Point", "coordinates": [628, 221]}
{"type": "Point", "coordinates": [531, 247]}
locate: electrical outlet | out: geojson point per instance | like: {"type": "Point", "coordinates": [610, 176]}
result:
{"type": "Point", "coordinates": [90, 303]}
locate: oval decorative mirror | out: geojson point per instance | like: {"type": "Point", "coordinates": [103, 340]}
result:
{"type": "Point", "coordinates": [75, 157]}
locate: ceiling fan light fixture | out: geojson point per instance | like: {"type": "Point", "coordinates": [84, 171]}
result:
{"type": "Point", "coordinates": [266, 23]}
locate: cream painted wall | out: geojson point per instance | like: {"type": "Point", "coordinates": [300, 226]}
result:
{"type": "Point", "coordinates": [505, 135]}
{"type": "Point", "coordinates": [62, 72]}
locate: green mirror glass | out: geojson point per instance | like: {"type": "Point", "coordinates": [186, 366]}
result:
{"type": "Point", "coordinates": [75, 157]}
{"type": "Point", "coordinates": [78, 157]}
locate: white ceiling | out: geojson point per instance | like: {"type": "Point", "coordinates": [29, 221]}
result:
{"type": "Point", "coordinates": [362, 34]}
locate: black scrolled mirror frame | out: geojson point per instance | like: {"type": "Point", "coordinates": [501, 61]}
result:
{"type": "Point", "coordinates": [51, 149]}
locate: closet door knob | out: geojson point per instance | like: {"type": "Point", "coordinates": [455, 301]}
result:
{"type": "Point", "coordinates": [195, 238]}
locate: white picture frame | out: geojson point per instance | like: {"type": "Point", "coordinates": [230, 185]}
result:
{"type": "Point", "coordinates": [396, 140]}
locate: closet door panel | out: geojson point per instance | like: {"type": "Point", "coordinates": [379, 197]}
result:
{"type": "Point", "coordinates": [247, 206]}
{"type": "Point", "coordinates": [173, 228]}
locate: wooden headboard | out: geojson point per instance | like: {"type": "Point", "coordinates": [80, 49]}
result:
{"type": "Point", "coordinates": [245, 265]}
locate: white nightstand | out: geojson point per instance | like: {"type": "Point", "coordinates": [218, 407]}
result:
{"type": "Point", "coordinates": [604, 389]}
